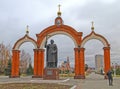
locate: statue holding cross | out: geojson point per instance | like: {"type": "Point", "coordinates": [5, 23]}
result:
{"type": "Point", "coordinates": [51, 54]}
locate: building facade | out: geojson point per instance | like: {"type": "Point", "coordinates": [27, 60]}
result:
{"type": "Point", "coordinates": [65, 66]}
{"type": "Point", "coordinates": [99, 60]}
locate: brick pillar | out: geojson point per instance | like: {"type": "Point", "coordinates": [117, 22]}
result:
{"type": "Point", "coordinates": [35, 62]}
{"type": "Point", "coordinates": [15, 63]}
{"type": "Point", "coordinates": [76, 63]}
{"type": "Point", "coordinates": [79, 63]}
{"type": "Point", "coordinates": [82, 63]}
{"type": "Point", "coordinates": [40, 62]}
{"type": "Point", "coordinates": [106, 59]}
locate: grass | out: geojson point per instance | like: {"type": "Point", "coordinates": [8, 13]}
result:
{"type": "Point", "coordinates": [67, 75]}
{"type": "Point", "coordinates": [33, 86]}
{"type": "Point", "coordinates": [116, 76]}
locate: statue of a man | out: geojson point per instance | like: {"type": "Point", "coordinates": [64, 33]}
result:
{"type": "Point", "coordinates": [51, 54]}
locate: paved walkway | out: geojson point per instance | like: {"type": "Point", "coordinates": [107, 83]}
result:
{"type": "Point", "coordinates": [93, 81]}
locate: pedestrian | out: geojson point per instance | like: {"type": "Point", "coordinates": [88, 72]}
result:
{"type": "Point", "coordinates": [110, 77]}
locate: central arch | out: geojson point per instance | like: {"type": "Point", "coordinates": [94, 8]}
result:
{"type": "Point", "coordinates": [65, 30]}
{"type": "Point", "coordinates": [54, 30]}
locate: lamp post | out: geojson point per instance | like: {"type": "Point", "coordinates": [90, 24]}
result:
{"type": "Point", "coordinates": [114, 68]}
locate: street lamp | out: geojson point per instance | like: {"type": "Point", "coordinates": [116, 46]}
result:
{"type": "Point", "coordinates": [114, 68]}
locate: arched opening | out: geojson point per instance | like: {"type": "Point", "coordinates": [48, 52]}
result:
{"type": "Point", "coordinates": [106, 49]}
{"type": "Point", "coordinates": [94, 58]}
{"type": "Point", "coordinates": [26, 59]}
{"type": "Point", "coordinates": [56, 33]}
{"type": "Point", "coordinates": [16, 54]}
{"type": "Point", "coordinates": [65, 47]}
{"type": "Point", "coordinates": [64, 30]}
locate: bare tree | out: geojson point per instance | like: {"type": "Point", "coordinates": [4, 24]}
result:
{"type": "Point", "coordinates": [5, 56]}
{"type": "Point", "coordinates": [25, 59]}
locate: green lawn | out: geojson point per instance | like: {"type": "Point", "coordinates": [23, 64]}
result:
{"type": "Point", "coordinates": [116, 76]}
{"type": "Point", "coordinates": [33, 86]}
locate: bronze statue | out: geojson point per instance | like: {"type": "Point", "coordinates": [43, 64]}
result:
{"type": "Point", "coordinates": [51, 54]}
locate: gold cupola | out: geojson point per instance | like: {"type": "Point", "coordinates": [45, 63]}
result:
{"type": "Point", "coordinates": [92, 28]}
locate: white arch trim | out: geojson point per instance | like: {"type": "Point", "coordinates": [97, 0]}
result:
{"type": "Point", "coordinates": [25, 39]}
{"type": "Point", "coordinates": [94, 36]}
{"type": "Point", "coordinates": [55, 33]}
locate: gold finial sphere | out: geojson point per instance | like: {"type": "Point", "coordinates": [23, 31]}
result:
{"type": "Point", "coordinates": [27, 29]}
{"type": "Point", "coordinates": [92, 26]}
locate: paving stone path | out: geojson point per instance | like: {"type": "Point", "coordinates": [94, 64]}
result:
{"type": "Point", "coordinates": [93, 81]}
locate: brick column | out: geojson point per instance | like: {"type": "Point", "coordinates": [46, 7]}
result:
{"type": "Point", "coordinates": [76, 63]}
{"type": "Point", "coordinates": [15, 63]}
{"type": "Point", "coordinates": [82, 63]}
{"type": "Point", "coordinates": [106, 59]}
{"type": "Point", "coordinates": [79, 63]}
{"type": "Point", "coordinates": [40, 62]}
{"type": "Point", "coordinates": [35, 62]}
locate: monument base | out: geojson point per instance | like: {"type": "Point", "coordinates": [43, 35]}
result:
{"type": "Point", "coordinates": [51, 74]}
{"type": "Point", "coordinates": [36, 76]}
{"type": "Point", "coordinates": [79, 77]}
{"type": "Point", "coordinates": [14, 76]}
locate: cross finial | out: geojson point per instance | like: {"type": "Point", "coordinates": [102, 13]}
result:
{"type": "Point", "coordinates": [27, 29]}
{"type": "Point", "coordinates": [59, 8]}
{"type": "Point", "coordinates": [59, 13]}
{"type": "Point", "coordinates": [92, 26]}
{"type": "Point", "coordinates": [92, 23]}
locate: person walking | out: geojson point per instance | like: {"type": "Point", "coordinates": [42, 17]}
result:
{"type": "Point", "coordinates": [110, 77]}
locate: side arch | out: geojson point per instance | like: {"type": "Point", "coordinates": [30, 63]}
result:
{"type": "Point", "coordinates": [24, 39]}
{"type": "Point", "coordinates": [16, 54]}
{"type": "Point", "coordinates": [54, 30]}
{"type": "Point", "coordinates": [93, 35]}
{"type": "Point", "coordinates": [106, 49]}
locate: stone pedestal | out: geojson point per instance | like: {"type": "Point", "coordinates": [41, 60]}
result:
{"type": "Point", "coordinates": [51, 74]}
{"type": "Point", "coordinates": [14, 76]}
{"type": "Point", "coordinates": [79, 77]}
{"type": "Point", "coordinates": [36, 76]}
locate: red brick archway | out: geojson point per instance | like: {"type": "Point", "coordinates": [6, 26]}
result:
{"type": "Point", "coordinates": [59, 28]}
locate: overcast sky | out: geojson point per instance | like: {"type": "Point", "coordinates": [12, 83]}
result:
{"type": "Point", "coordinates": [15, 15]}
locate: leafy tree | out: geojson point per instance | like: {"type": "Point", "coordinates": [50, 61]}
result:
{"type": "Point", "coordinates": [118, 71]}
{"type": "Point", "coordinates": [66, 71]}
{"type": "Point", "coordinates": [7, 70]}
{"type": "Point", "coordinates": [29, 70]}
{"type": "Point", "coordinates": [24, 61]}
{"type": "Point", "coordinates": [5, 55]}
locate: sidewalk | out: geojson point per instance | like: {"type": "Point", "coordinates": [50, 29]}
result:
{"type": "Point", "coordinates": [95, 81]}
